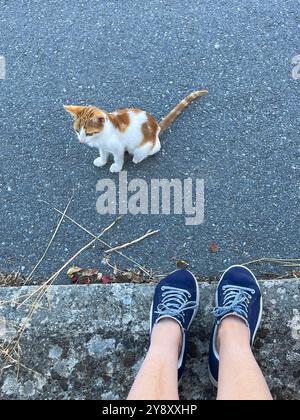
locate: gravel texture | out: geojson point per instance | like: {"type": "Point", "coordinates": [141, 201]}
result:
{"type": "Point", "coordinates": [242, 139]}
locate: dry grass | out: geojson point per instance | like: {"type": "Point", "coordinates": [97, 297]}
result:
{"type": "Point", "coordinates": [11, 352]}
{"type": "Point", "coordinates": [284, 262]}
{"type": "Point", "coordinates": [13, 279]}
{"type": "Point", "coordinates": [51, 240]}
{"type": "Point", "coordinates": [142, 268]}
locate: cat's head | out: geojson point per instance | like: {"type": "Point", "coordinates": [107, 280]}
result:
{"type": "Point", "coordinates": [88, 121]}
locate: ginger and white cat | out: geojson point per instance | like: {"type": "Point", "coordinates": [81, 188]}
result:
{"type": "Point", "coordinates": [131, 130]}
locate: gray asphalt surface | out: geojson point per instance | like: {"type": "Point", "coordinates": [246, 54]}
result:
{"type": "Point", "coordinates": [242, 139]}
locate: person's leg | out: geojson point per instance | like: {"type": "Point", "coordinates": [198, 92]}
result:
{"type": "Point", "coordinates": [232, 366]}
{"type": "Point", "coordinates": [158, 376]}
{"type": "Point", "coordinates": [175, 304]}
{"type": "Point", "coordinates": [240, 377]}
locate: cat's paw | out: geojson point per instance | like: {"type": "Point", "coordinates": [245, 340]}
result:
{"type": "Point", "coordinates": [136, 160]}
{"type": "Point", "coordinates": [115, 168]}
{"type": "Point", "coordinates": [99, 162]}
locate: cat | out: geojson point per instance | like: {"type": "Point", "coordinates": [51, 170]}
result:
{"type": "Point", "coordinates": [131, 130]}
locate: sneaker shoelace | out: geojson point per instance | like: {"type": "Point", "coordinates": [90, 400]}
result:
{"type": "Point", "coordinates": [236, 299]}
{"type": "Point", "coordinates": [175, 302]}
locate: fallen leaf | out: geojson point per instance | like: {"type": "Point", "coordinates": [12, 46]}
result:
{"type": "Point", "coordinates": [74, 279]}
{"type": "Point", "coordinates": [83, 276]}
{"type": "Point", "coordinates": [214, 247]}
{"type": "Point", "coordinates": [86, 280]}
{"type": "Point", "coordinates": [72, 271]}
{"type": "Point", "coordinates": [182, 264]}
{"type": "Point", "coordinates": [106, 279]}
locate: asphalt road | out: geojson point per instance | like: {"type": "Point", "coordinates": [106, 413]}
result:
{"type": "Point", "coordinates": [242, 139]}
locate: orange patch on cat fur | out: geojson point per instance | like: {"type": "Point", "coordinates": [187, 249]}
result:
{"type": "Point", "coordinates": [120, 120]}
{"type": "Point", "coordinates": [89, 117]}
{"type": "Point", "coordinates": [149, 130]}
{"type": "Point", "coordinates": [168, 119]}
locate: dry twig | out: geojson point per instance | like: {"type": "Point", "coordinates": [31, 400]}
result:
{"type": "Point", "coordinates": [134, 241]}
{"type": "Point", "coordinates": [51, 240]}
{"type": "Point", "coordinates": [147, 272]}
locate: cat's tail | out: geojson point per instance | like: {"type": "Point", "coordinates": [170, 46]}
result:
{"type": "Point", "coordinates": [168, 119]}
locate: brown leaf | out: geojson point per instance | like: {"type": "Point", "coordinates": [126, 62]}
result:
{"type": "Point", "coordinates": [182, 264]}
{"type": "Point", "coordinates": [214, 247]}
{"type": "Point", "coordinates": [89, 272]}
{"type": "Point", "coordinates": [83, 276]}
{"type": "Point", "coordinates": [72, 271]}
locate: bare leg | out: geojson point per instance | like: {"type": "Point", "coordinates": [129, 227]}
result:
{"type": "Point", "coordinates": [240, 377]}
{"type": "Point", "coordinates": [157, 378]}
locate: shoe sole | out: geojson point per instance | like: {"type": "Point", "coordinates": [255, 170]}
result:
{"type": "Point", "coordinates": [212, 379]}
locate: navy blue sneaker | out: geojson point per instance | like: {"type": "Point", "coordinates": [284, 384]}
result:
{"type": "Point", "coordinates": [238, 294]}
{"type": "Point", "coordinates": [176, 297]}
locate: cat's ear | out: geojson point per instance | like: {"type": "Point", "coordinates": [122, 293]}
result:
{"type": "Point", "coordinates": [98, 122]}
{"type": "Point", "coordinates": [73, 110]}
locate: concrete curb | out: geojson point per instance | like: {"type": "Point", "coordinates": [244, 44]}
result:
{"type": "Point", "coordinates": [90, 342]}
